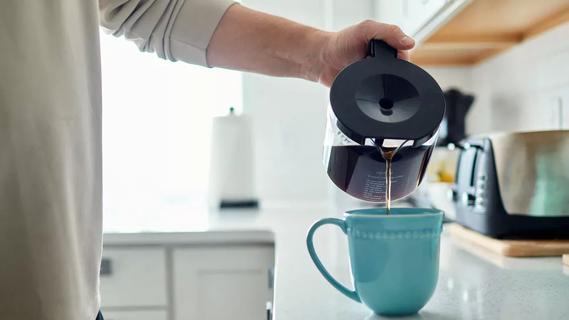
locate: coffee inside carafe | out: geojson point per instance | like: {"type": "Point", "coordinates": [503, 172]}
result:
{"type": "Point", "coordinates": [362, 170]}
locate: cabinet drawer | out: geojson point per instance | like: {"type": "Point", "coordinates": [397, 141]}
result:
{"type": "Point", "coordinates": [133, 277]}
{"type": "Point", "coordinates": [135, 315]}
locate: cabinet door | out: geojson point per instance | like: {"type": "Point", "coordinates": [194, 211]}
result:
{"type": "Point", "coordinates": [135, 315]}
{"type": "Point", "coordinates": [418, 18]}
{"type": "Point", "coordinates": [389, 11]}
{"type": "Point", "coordinates": [420, 12]}
{"type": "Point", "coordinates": [133, 277]}
{"type": "Point", "coordinates": [219, 283]}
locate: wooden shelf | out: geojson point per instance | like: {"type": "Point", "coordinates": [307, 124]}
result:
{"type": "Point", "coordinates": [487, 27]}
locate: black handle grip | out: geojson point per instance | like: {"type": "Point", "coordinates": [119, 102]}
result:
{"type": "Point", "coordinates": [106, 267]}
{"type": "Point", "coordinates": [380, 49]}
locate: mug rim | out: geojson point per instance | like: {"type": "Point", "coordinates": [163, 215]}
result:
{"type": "Point", "coordinates": [430, 212]}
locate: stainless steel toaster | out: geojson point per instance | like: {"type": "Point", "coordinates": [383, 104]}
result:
{"type": "Point", "coordinates": [514, 185]}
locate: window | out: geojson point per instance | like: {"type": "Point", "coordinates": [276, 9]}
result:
{"type": "Point", "coordinates": [156, 132]}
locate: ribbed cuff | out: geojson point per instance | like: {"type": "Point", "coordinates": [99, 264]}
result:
{"type": "Point", "coordinates": [194, 26]}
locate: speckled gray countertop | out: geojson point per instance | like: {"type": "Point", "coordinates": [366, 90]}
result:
{"type": "Point", "coordinates": [473, 283]}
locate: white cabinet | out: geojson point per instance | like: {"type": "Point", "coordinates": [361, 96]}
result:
{"type": "Point", "coordinates": [136, 315]}
{"type": "Point", "coordinates": [392, 12]}
{"type": "Point", "coordinates": [420, 12]}
{"type": "Point", "coordinates": [195, 280]}
{"type": "Point", "coordinates": [219, 283]}
{"type": "Point", "coordinates": [418, 18]}
{"type": "Point", "coordinates": [134, 277]}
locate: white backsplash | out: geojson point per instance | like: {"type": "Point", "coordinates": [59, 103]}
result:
{"type": "Point", "coordinates": [288, 120]}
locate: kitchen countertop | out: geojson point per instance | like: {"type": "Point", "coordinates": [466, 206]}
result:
{"type": "Point", "coordinates": [473, 283]}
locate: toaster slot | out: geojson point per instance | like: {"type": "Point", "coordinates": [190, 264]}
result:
{"type": "Point", "coordinates": [466, 175]}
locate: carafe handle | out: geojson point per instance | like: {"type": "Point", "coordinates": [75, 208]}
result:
{"type": "Point", "coordinates": [380, 49]}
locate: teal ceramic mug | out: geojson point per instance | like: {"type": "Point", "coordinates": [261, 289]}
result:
{"type": "Point", "coordinates": [394, 258]}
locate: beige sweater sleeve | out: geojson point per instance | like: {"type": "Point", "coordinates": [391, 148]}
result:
{"type": "Point", "coordinates": [174, 29]}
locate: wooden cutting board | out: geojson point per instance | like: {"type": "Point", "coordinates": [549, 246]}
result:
{"type": "Point", "coordinates": [511, 248]}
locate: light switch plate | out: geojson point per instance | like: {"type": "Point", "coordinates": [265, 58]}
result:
{"type": "Point", "coordinates": [565, 107]}
{"type": "Point", "coordinates": [557, 108]}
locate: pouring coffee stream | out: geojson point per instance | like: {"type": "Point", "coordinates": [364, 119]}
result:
{"type": "Point", "coordinates": [387, 154]}
{"type": "Point", "coordinates": [382, 126]}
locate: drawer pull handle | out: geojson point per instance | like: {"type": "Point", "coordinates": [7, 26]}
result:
{"type": "Point", "coordinates": [106, 267]}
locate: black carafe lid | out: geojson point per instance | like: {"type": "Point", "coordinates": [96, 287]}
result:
{"type": "Point", "coordinates": [383, 97]}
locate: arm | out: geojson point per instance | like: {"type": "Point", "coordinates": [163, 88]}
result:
{"type": "Point", "coordinates": [223, 34]}
{"type": "Point", "coordinates": [173, 29]}
{"type": "Point", "coordinates": [253, 41]}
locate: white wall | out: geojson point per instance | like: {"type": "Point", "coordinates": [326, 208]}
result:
{"type": "Point", "coordinates": [452, 77]}
{"type": "Point", "coordinates": [525, 87]}
{"type": "Point", "coordinates": [289, 114]}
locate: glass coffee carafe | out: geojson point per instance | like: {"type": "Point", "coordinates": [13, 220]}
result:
{"type": "Point", "coordinates": [382, 126]}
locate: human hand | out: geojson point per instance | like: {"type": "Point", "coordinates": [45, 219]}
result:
{"type": "Point", "coordinates": [339, 49]}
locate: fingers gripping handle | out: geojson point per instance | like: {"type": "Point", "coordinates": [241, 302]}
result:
{"type": "Point", "coordinates": [310, 244]}
{"type": "Point", "coordinates": [380, 49]}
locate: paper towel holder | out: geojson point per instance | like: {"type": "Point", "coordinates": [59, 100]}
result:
{"type": "Point", "coordinates": [232, 172]}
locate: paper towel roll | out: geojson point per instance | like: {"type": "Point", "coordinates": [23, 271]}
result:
{"type": "Point", "coordinates": [232, 173]}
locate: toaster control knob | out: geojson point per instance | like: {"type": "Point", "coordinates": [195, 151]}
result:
{"type": "Point", "coordinates": [468, 199]}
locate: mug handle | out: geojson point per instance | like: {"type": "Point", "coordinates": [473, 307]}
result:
{"type": "Point", "coordinates": [309, 243]}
